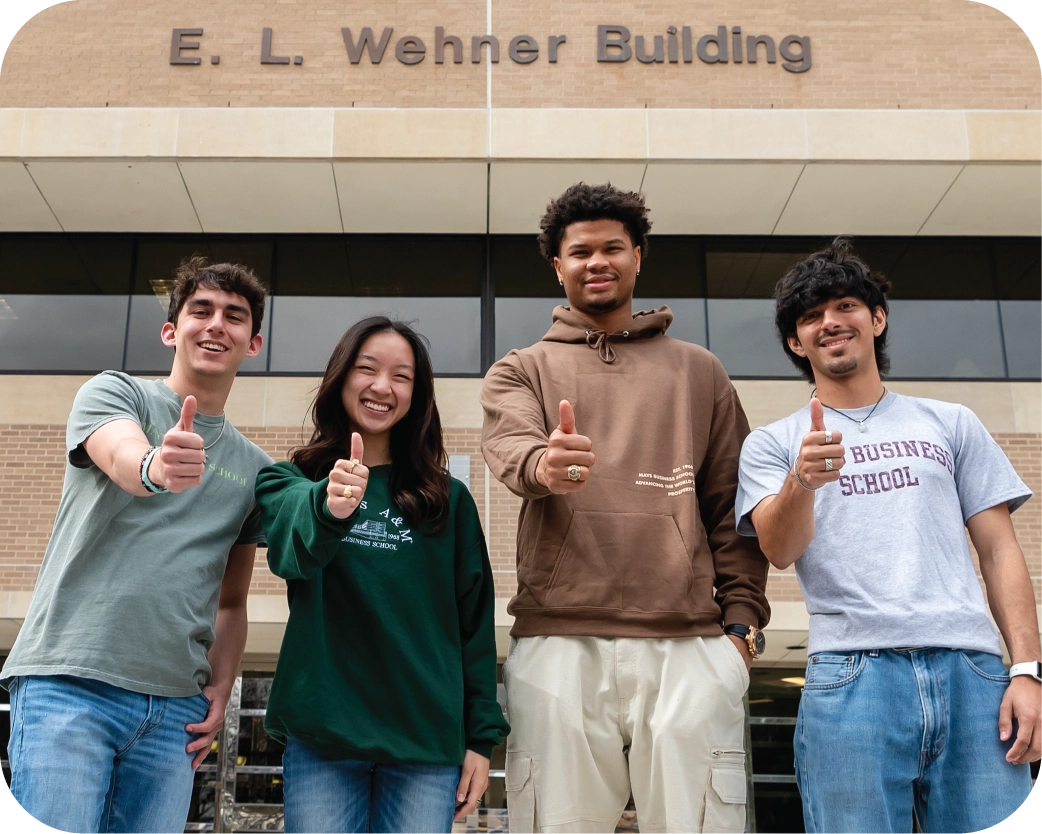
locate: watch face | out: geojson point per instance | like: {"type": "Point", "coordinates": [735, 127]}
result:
{"type": "Point", "coordinates": [760, 642]}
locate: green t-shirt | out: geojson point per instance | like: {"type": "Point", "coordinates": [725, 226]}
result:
{"type": "Point", "coordinates": [390, 649]}
{"type": "Point", "coordinates": [128, 589]}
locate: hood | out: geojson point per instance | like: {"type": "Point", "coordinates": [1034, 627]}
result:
{"type": "Point", "coordinates": [573, 328]}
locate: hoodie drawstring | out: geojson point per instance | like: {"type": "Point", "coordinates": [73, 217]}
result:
{"type": "Point", "coordinates": [598, 340]}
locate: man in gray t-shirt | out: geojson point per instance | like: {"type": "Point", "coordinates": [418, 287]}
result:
{"type": "Point", "coordinates": [122, 670]}
{"type": "Point", "coordinates": [907, 707]}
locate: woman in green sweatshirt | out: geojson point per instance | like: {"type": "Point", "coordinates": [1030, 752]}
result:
{"type": "Point", "coordinates": [385, 690]}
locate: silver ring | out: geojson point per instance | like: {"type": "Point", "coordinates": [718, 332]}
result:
{"type": "Point", "coordinates": [828, 438]}
{"type": "Point", "coordinates": [828, 464]}
{"type": "Point", "coordinates": [574, 472]}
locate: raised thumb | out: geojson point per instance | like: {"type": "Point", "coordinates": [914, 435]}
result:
{"type": "Point", "coordinates": [567, 417]}
{"type": "Point", "coordinates": [357, 449]}
{"type": "Point", "coordinates": [817, 415]}
{"type": "Point", "coordinates": [188, 409]}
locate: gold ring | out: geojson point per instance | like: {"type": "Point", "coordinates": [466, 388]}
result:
{"type": "Point", "coordinates": [352, 464]}
{"type": "Point", "coordinates": [828, 436]}
{"type": "Point", "coordinates": [348, 491]}
{"type": "Point", "coordinates": [574, 472]}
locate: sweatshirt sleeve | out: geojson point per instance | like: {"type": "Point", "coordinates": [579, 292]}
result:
{"type": "Point", "coordinates": [514, 434]}
{"type": "Point", "coordinates": [302, 535]}
{"type": "Point", "coordinates": [740, 566]}
{"type": "Point", "coordinates": [484, 724]}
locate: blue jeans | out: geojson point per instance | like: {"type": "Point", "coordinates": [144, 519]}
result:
{"type": "Point", "coordinates": [883, 734]}
{"type": "Point", "coordinates": [347, 795]}
{"type": "Point", "coordinates": [88, 756]}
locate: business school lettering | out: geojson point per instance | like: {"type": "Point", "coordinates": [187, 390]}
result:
{"type": "Point", "coordinates": [888, 469]}
{"type": "Point", "coordinates": [615, 44]}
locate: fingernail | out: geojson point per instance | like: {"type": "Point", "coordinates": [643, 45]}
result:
{"type": "Point", "coordinates": [1003, 735]}
{"type": "Point", "coordinates": [460, 797]}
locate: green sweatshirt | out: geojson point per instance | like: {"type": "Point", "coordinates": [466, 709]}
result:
{"type": "Point", "coordinates": [390, 651]}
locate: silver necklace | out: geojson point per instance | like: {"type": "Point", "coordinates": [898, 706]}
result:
{"type": "Point", "coordinates": [860, 423]}
{"type": "Point", "coordinates": [224, 422]}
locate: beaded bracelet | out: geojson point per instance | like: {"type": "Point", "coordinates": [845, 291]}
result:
{"type": "Point", "coordinates": [145, 482]}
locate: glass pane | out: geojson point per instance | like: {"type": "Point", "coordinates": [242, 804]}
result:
{"type": "Point", "coordinates": [65, 264]}
{"type": "Point", "coordinates": [66, 333]}
{"type": "Point", "coordinates": [380, 265]}
{"type": "Point", "coordinates": [673, 269]}
{"type": "Point", "coordinates": [1018, 267]}
{"type": "Point", "coordinates": [741, 334]}
{"type": "Point", "coordinates": [930, 339]}
{"type": "Point", "coordinates": [158, 258]}
{"type": "Point", "coordinates": [306, 329]}
{"type": "Point", "coordinates": [1022, 327]}
{"type": "Point", "coordinates": [521, 322]}
{"type": "Point", "coordinates": [519, 271]}
{"type": "Point", "coordinates": [750, 267]}
{"type": "Point", "coordinates": [933, 267]}
{"type": "Point", "coordinates": [147, 354]}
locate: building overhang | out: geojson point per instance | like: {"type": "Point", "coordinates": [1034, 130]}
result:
{"type": "Point", "coordinates": [378, 170]}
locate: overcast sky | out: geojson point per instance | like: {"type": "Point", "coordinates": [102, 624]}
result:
{"type": "Point", "coordinates": [1020, 20]}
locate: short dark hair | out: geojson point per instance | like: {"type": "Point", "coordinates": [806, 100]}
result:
{"type": "Point", "coordinates": [594, 202]}
{"type": "Point", "coordinates": [197, 271]}
{"type": "Point", "coordinates": [833, 272]}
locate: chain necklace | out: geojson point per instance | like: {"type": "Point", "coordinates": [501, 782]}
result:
{"type": "Point", "coordinates": [224, 422]}
{"type": "Point", "coordinates": [860, 423]}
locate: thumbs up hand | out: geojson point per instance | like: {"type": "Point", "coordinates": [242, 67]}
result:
{"type": "Point", "coordinates": [180, 461]}
{"type": "Point", "coordinates": [347, 481]}
{"type": "Point", "coordinates": [565, 466]}
{"type": "Point", "coordinates": [821, 456]}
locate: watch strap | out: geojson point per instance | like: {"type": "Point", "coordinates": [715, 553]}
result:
{"type": "Point", "coordinates": [1032, 669]}
{"type": "Point", "coordinates": [737, 630]}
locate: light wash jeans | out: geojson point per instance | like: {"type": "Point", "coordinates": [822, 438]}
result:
{"type": "Point", "coordinates": [87, 756]}
{"type": "Point", "coordinates": [346, 795]}
{"type": "Point", "coordinates": [883, 733]}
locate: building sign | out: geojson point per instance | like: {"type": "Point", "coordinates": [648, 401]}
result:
{"type": "Point", "coordinates": [616, 44]}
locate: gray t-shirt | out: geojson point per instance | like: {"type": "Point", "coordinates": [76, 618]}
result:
{"type": "Point", "coordinates": [889, 564]}
{"type": "Point", "coordinates": [128, 589]}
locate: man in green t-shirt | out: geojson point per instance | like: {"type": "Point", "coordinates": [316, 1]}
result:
{"type": "Point", "coordinates": [120, 675]}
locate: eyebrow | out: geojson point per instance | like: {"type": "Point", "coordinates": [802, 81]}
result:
{"type": "Point", "coordinates": [582, 243]}
{"type": "Point", "coordinates": [376, 361]}
{"type": "Point", "coordinates": [205, 302]}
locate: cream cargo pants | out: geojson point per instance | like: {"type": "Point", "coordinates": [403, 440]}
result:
{"type": "Point", "coordinates": [594, 719]}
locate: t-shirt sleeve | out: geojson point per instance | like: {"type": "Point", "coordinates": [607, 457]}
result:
{"type": "Point", "coordinates": [100, 400]}
{"type": "Point", "coordinates": [252, 531]}
{"type": "Point", "coordinates": [762, 469]}
{"type": "Point", "coordinates": [984, 477]}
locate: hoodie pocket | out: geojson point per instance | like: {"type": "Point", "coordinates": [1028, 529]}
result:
{"type": "Point", "coordinates": [632, 561]}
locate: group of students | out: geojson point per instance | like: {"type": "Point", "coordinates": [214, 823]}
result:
{"type": "Point", "coordinates": [649, 517]}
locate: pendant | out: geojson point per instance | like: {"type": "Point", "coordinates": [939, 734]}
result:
{"type": "Point", "coordinates": [861, 427]}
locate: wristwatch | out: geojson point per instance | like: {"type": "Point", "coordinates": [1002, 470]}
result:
{"type": "Point", "coordinates": [1033, 669]}
{"type": "Point", "coordinates": [754, 638]}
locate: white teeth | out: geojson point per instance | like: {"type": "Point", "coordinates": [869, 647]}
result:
{"type": "Point", "coordinates": [375, 406]}
{"type": "Point", "coordinates": [213, 346]}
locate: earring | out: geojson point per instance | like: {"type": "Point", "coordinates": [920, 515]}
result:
{"type": "Point", "coordinates": [638, 272]}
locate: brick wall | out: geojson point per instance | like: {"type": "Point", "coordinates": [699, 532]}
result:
{"type": "Point", "coordinates": [866, 54]}
{"type": "Point", "coordinates": [31, 466]}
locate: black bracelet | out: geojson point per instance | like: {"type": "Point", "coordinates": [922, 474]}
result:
{"type": "Point", "coordinates": [143, 471]}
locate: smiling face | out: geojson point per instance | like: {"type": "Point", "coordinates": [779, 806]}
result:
{"type": "Point", "coordinates": [837, 337]}
{"type": "Point", "coordinates": [213, 334]}
{"type": "Point", "coordinates": [597, 265]}
{"type": "Point", "coordinates": [377, 391]}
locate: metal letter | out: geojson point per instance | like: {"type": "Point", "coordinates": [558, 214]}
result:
{"type": "Point", "coordinates": [266, 56]}
{"type": "Point", "coordinates": [409, 50]}
{"type": "Point", "coordinates": [685, 37]}
{"type": "Point", "coordinates": [523, 49]}
{"type": "Point", "coordinates": [493, 48]}
{"type": "Point", "coordinates": [366, 41]}
{"type": "Point", "coordinates": [671, 44]}
{"type": "Point", "coordinates": [439, 46]}
{"type": "Point", "coordinates": [736, 44]}
{"type": "Point", "coordinates": [620, 42]}
{"type": "Point", "coordinates": [720, 39]}
{"type": "Point", "coordinates": [553, 42]}
{"type": "Point", "coordinates": [751, 43]}
{"type": "Point", "coordinates": [176, 45]}
{"type": "Point", "coordinates": [656, 57]}
{"type": "Point", "coordinates": [795, 62]}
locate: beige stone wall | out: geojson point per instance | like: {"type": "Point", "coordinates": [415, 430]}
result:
{"type": "Point", "coordinates": [866, 54]}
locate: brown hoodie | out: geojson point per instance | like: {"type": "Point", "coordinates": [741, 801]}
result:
{"type": "Point", "coordinates": [639, 551]}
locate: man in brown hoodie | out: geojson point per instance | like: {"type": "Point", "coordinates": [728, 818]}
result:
{"type": "Point", "coordinates": [624, 445]}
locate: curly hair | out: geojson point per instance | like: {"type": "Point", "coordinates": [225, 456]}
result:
{"type": "Point", "coordinates": [594, 202]}
{"type": "Point", "coordinates": [833, 272]}
{"type": "Point", "coordinates": [197, 271]}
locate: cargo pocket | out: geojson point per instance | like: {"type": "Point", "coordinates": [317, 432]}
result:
{"type": "Point", "coordinates": [520, 793]}
{"type": "Point", "coordinates": [725, 794]}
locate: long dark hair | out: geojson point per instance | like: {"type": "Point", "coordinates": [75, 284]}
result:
{"type": "Point", "coordinates": [419, 482]}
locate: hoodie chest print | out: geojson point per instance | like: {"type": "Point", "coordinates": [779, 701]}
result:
{"type": "Point", "coordinates": [384, 532]}
{"type": "Point", "coordinates": [680, 481]}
